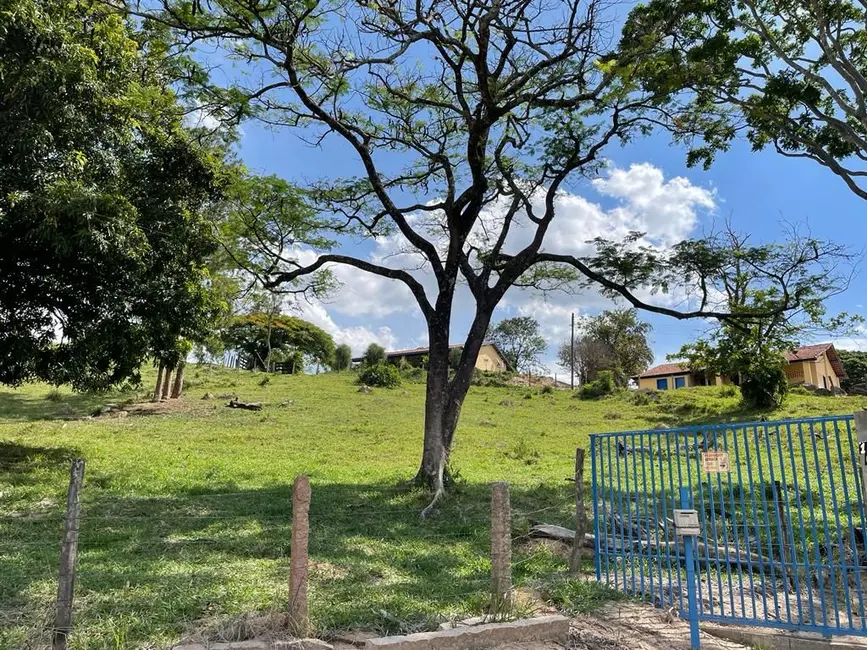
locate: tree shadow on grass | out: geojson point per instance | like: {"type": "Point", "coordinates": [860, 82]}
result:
{"type": "Point", "coordinates": [29, 407]}
{"type": "Point", "coordinates": [166, 565]}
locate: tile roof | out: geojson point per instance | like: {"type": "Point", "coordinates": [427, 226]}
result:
{"type": "Point", "coordinates": [665, 369]}
{"type": "Point", "coordinates": [813, 352]}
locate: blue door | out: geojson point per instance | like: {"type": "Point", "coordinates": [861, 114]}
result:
{"type": "Point", "coordinates": [680, 382]}
{"type": "Point", "coordinates": [662, 384]}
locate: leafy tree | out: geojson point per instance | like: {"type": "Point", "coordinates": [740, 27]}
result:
{"type": "Point", "coordinates": [588, 358]}
{"type": "Point", "coordinates": [855, 365]}
{"type": "Point", "coordinates": [342, 357]}
{"type": "Point", "coordinates": [751, 350]}
{"type": "Point", "coordinates": [520, 342]}
{"type": "Point", "coordinates": [624, 336]}
{"type": "Point", "coordinates": [373, 355]}
{"type": "Point", "coordinates": [260, 335]}
{"type": "Point", "coordinates": [790, 75]}
{"type": "Point", "coordinates": [468, 120]}
{"type": "Point", "coordinates": [103, 199]}
{"type": "Point", "coordinates": [615, 340]}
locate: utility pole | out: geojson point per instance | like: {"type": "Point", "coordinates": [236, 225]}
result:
{"type": "Point", "coordinates": [572, 355]}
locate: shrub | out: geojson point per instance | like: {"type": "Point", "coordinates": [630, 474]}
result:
{"type": "Point", "coordinates": [546, 390]}
{"type": "Point", "coordinates": [601, 386]}
{"type": "Point", "coordinates": [414, 375]}
{"type": "Point", "coordinates": [381, 374]}
{"type": "Point", "coordinates": [765, 385]}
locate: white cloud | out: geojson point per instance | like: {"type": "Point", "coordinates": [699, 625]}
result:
{"type": "Point", "coordinates": [856, 342]}
{"type": "Point", "coordinates": [357, 337]}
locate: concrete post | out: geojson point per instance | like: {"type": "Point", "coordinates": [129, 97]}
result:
{"type": "Point", "coordinates": [501, 548]}
{"type": "Point", "coordinates": [298, 617]}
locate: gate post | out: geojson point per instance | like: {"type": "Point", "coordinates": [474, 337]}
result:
{"type": "Point", "coordinates": [861, 432]}
{"type": "Point", "coordinates": [689, 557]}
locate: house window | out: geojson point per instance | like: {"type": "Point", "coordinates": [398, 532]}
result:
{"type": "Point", "coordinates": [662, 384]}
{"type": "Point", "coordinates": [680, 382]}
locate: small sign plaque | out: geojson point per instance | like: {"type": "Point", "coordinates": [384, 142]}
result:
{"type": "Point", "coordinates": [716, 462]}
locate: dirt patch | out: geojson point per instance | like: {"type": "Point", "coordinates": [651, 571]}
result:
{"type": "Point", "coordinates": [635, 626]}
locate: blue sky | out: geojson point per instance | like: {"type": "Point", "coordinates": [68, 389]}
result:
{"type": "Point", "coordinates": [757, 191]}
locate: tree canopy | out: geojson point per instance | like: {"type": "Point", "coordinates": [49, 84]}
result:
{"type": "Point", "coordinates": [855, 365]}
{"type": "Point", "coordinates": [520, 342]}
{"type": "Point", "coordinates": [790, 75]}
{"type": "Point", "coordinates": [103, 198]}
{"type": "Point", "coordinates": [262, 335]}
{"type": "Point", "coordinates": [615, 340]}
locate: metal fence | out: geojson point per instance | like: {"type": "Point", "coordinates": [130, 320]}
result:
{"type": "Point", "coordinates": [781, 515]}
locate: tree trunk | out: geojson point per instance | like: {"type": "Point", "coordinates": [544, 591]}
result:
{"type": "Point", "coordinates": [158, 391]}
{"type": "Point", "coordinates": [167, 378]}
{"type": "Point", "coordinates": [179, 380]}
{"type": "Point", "coordinates": [443, 402]}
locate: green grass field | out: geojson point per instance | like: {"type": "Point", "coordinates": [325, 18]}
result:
{"type": "Point", "coordinates": [186, 507]}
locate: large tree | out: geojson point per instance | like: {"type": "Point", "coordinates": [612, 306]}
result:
{"type": "Point", "coordinates": [467, 120]}
{"type": "Point", "coordinates": [789, 74]}
{"type": "Point", "coordinates": [855, 364]}
{"type": "Point", "coordinates": [103, 196]}
{"type": "Point", "coordinates": [261, 336]}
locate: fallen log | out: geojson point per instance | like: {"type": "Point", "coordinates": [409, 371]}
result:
{"type": "Point", "coordinates": [249, 406]}
{"type": "Point", "coordinates": [705, 553]}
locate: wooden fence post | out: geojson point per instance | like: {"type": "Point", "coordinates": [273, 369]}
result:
{"type": "Point", "coordinates": [580, 514]}
{"type": "Point", "coordinates": [68, 556]}
{"type": "Point", "coordinates": [298, 617]}
{"type": "Point", "coordinates": [501, 549]}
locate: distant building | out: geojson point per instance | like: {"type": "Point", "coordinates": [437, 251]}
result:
{"type": "Point", "coordinates": [490, 357]}
{"type": "Point", "coordinates": [816, 365]}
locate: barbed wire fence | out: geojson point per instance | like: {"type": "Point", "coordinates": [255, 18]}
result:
{"type": "Point", "coordinates": [188, 537]}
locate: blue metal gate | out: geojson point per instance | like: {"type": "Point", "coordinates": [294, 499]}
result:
{"type": "Point", "coordinates": [781, 512]}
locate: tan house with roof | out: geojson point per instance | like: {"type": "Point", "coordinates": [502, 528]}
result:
{"type": "Point", "coordinates": [816, 365]}
{"type": "Point", "coordinates": [490, 357]}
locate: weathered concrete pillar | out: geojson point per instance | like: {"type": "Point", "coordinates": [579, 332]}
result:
{"type": "Point", "coordinates": [501, 548]}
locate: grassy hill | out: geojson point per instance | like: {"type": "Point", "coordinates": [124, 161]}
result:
{"type": "Point", "coordinates": [186, 505]}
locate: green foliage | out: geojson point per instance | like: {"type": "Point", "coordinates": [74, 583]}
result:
{"type": "Point", "coordinates": [490, 378]}
{"type": "Point", "coordinates": [520, 342]}
{"type": "Point", "coordinates": [764, 383]}
{"type": "Point", "coordinates": [289, 336]}
{"type": "Point", "coordinates": [374, 355]}
{"type": "Point", "coordinates": [342, 357]}
{"type": "Point", "coordinates": [615, 340]}
{"type": "Point", "coordinates": [381, 374]}
{"type": "Point", "coordinates": [104, 198]}
{"type": "Point", "coordinates": [455, 357]}
{"type": "Point", "coordinates": [600, 387]}
{"type": "Point", "coordinates": [855, 365]}
{"type": "Point", "coordinates": [787, 78]}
